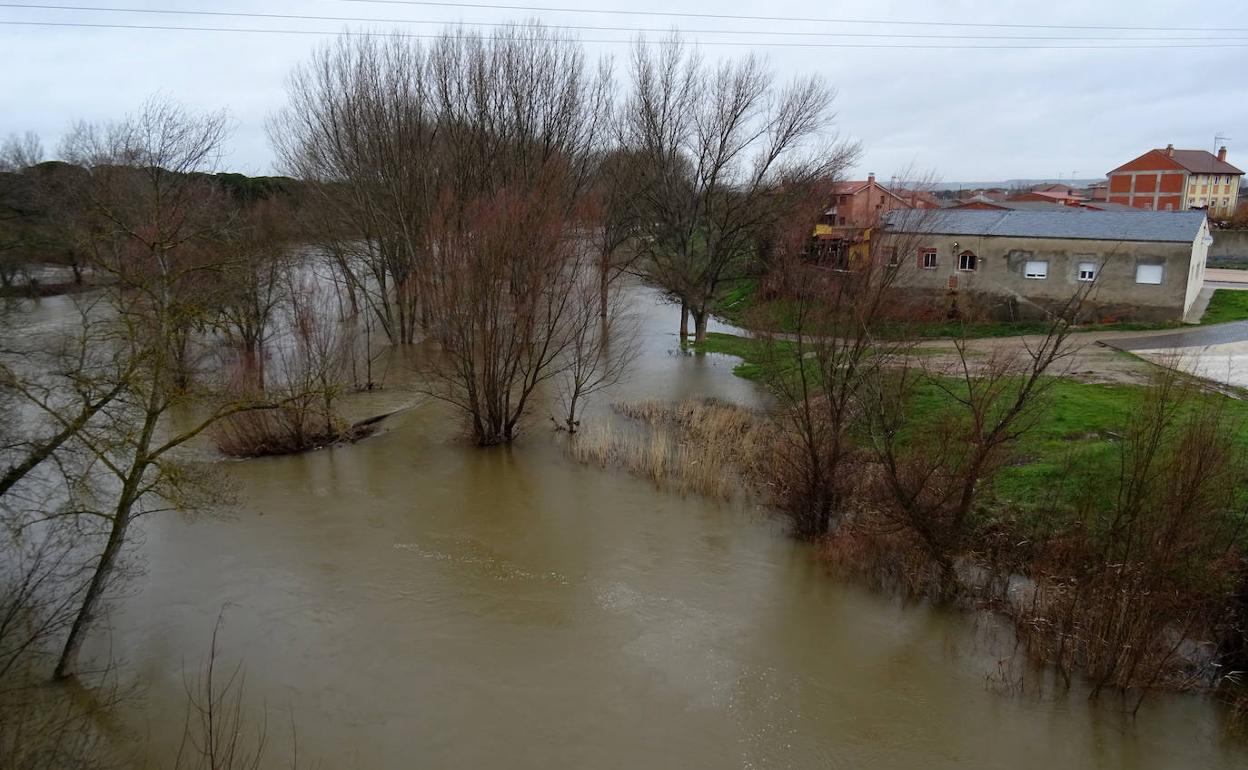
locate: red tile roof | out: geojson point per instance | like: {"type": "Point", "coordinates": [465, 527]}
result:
{"type": "Point", "coordinates": [1193, 161]}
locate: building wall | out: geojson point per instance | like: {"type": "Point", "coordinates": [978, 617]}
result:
{"type": "Point", "coordinates": [1229, 243]}
{"type": "Point", "coordinates": [1217, 191]}
{"type": "Point", "coordinates": [1000, 274]}
{"type": "Point", "coordinates": [1153, 190]}
{"type": "Point", "coordinates": [1196, 267]}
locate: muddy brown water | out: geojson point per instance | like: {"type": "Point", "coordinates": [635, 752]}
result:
{"type": "Point", "coordinates": [414, 602]}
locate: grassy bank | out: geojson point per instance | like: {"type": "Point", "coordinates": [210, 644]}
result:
{"type": "Point", "coordinates": [1078, 430]}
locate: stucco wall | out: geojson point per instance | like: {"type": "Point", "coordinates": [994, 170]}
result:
{"type": "Point", "coordinates": [1000, 265]}
{"type": "Point", "coordinates": [1229, 243]}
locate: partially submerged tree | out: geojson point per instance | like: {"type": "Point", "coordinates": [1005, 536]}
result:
{"type": "Point", "coordinates": [152, 223]}
{"type": "Point", "coordinates": [361, 130]}
{"type": "Point", "coordinates": [724, 155]}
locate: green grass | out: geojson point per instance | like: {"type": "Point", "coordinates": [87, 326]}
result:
{"type": "Point", "coordinates": [1078, 431]}
{"type": "Point", "coordinates": [754, 364]}
{"type": "Point", "coordinates": [1226, 305]}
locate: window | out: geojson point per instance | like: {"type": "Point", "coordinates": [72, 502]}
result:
{"type": "Point", "coordinates": [927, 259]}
{"type": "Point", "coordinates": [966, 260]}
{"type": "Point", "coordinates": [1087, 271]}
{"type": "Point", "coordinates": [890, 255]}
{"type": "Point", "coordinates": [1036, 268]}
{"type": "Point", "coordinates": [1148, 274]}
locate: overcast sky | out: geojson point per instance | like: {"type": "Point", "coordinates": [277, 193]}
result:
{"type": "Point", "coordinates": [959, 113]}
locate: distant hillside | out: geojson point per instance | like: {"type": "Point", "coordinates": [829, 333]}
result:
{"type": "Point", "coordinates": [1012, 183]}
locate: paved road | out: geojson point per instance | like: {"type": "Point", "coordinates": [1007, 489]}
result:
{"type": "Point", "coordinates": [1196, 337]}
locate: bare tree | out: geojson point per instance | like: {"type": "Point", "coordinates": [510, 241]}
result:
{"type": "Point", "coordinates": [359, 129]}
{"type": "Point", "coordinates": [18, 153]}
{"type": "Point", "coordinates": [153, 223]}
{"type": "Point", "coordinates": [931, 468]}
{"type": "Point", "coordinates": [725, 154]}
{"type": "Point", "coordinates": [602, 345]}
{"type": "Point", "coordinates": [822, 367]}
{"type": "Point", "coordinates": [252, 286]}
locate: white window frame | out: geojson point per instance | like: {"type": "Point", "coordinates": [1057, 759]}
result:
{"type": "Point", "coordinates": [924, 254]}
{"type": "Point", "coordinates": [962, 261]}
{"type": "Point", "coordinates": [1088, 268]}
{"type": "Point", "coordinates": [1141, 270]}
{"type": "Point", "coordinates": [1036, 269]}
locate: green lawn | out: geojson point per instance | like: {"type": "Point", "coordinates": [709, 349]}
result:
{"type": "Point", "coordinates": [1078, 431]}
{"type": "Point", "coordinates": [1226, 305]}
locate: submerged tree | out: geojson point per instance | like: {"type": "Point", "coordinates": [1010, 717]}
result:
{"type": "Point", "coordinates": [724, 155]}
{"type": "Point", "coordinates": [360, 129]}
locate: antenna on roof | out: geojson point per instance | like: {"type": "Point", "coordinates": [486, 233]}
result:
{"type": "Point", "coordinates": [1218, 139]}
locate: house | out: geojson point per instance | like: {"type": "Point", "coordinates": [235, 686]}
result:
{"type": "Point", "coordinates": [1015, 265]}
{"type": "Point", "coordinates": [855, 208]}
{"type": "Point", "coordinates": [1171, 179]}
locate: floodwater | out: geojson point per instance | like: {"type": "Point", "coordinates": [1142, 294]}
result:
{"type": "Point", "coordinates": [411, 601]}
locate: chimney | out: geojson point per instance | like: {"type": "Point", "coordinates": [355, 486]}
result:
{"type": "Point", "coordinates": [1222, 153]}
{"type": "Point", "coordinates": [871, 178]}
{"type": "Point", "coordinates": [1169, 150]}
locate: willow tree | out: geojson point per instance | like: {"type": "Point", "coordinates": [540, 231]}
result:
{"type": "Point", "coordinates": [726, 153]}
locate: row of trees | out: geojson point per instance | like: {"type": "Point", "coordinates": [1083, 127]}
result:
{"type": "Point", "coordinates": [474, 191]}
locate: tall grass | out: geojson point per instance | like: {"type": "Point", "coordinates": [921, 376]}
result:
{"type": "Point", "coordinates": [710, 448]}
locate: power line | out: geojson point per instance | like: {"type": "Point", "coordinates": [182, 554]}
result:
{"type": "Point", "coordinates": [588, 28]}
{"type": "Point", "coordinates": [617, 41]}
{"type": "Point", "coordinates": [805, 20]}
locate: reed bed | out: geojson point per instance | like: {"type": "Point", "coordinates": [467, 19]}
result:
{"type": "Point", "coordinates": [710, 448]}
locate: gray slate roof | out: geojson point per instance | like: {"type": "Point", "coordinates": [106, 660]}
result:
{"type": "Point", "coordinates": [1081, 224]}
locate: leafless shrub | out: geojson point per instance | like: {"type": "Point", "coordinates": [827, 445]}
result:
{"type": "Point", "coordinates": [1132, 596]}
{"type": "Point", "coordinates": [601, 346]}
{"type": "Point", "coordinates": [929, 471]}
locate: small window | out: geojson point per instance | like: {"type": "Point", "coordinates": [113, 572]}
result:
{"type": "Point", "coordinates": [890, 255]}
{"type": "Point", "coordinates": [927, 259]}
{"type": "Point", "coordinates": [1038, 269]}
{"type": "Point", "coordinates": [1148, 274]}
{"type": "Point", "coordinates": [1087, 271]}
{"type": "Point", "coordinates": [967, 260]}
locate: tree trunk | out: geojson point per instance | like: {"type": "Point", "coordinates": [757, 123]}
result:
{"type": "Point", "coordinates": [699, 319]}
{"type": "Point", "coordinates": [604, 287]}
{"type": "Point", "coordinates": [68, 661]}
{"type": "Point", "coordinates": [684, 321]}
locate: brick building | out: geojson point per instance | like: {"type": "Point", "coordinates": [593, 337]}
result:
{"type": "Point", "coordinates": [1177, 180]}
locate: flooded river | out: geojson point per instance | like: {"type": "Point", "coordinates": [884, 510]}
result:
{"type": "Point", "coordinates": [413, 602]}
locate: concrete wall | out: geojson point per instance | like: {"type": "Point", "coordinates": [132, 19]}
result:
{"type": "Point", "coordinates": [998, 288]}
{"type": "Point", "coordinates": [1229, 243]}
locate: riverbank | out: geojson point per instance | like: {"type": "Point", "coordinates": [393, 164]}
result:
{"type": "Point", "coordinates": [1119, 506]}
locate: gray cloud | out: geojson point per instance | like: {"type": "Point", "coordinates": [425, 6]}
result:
{"type": "Point", "coordinates": [962, 114]}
